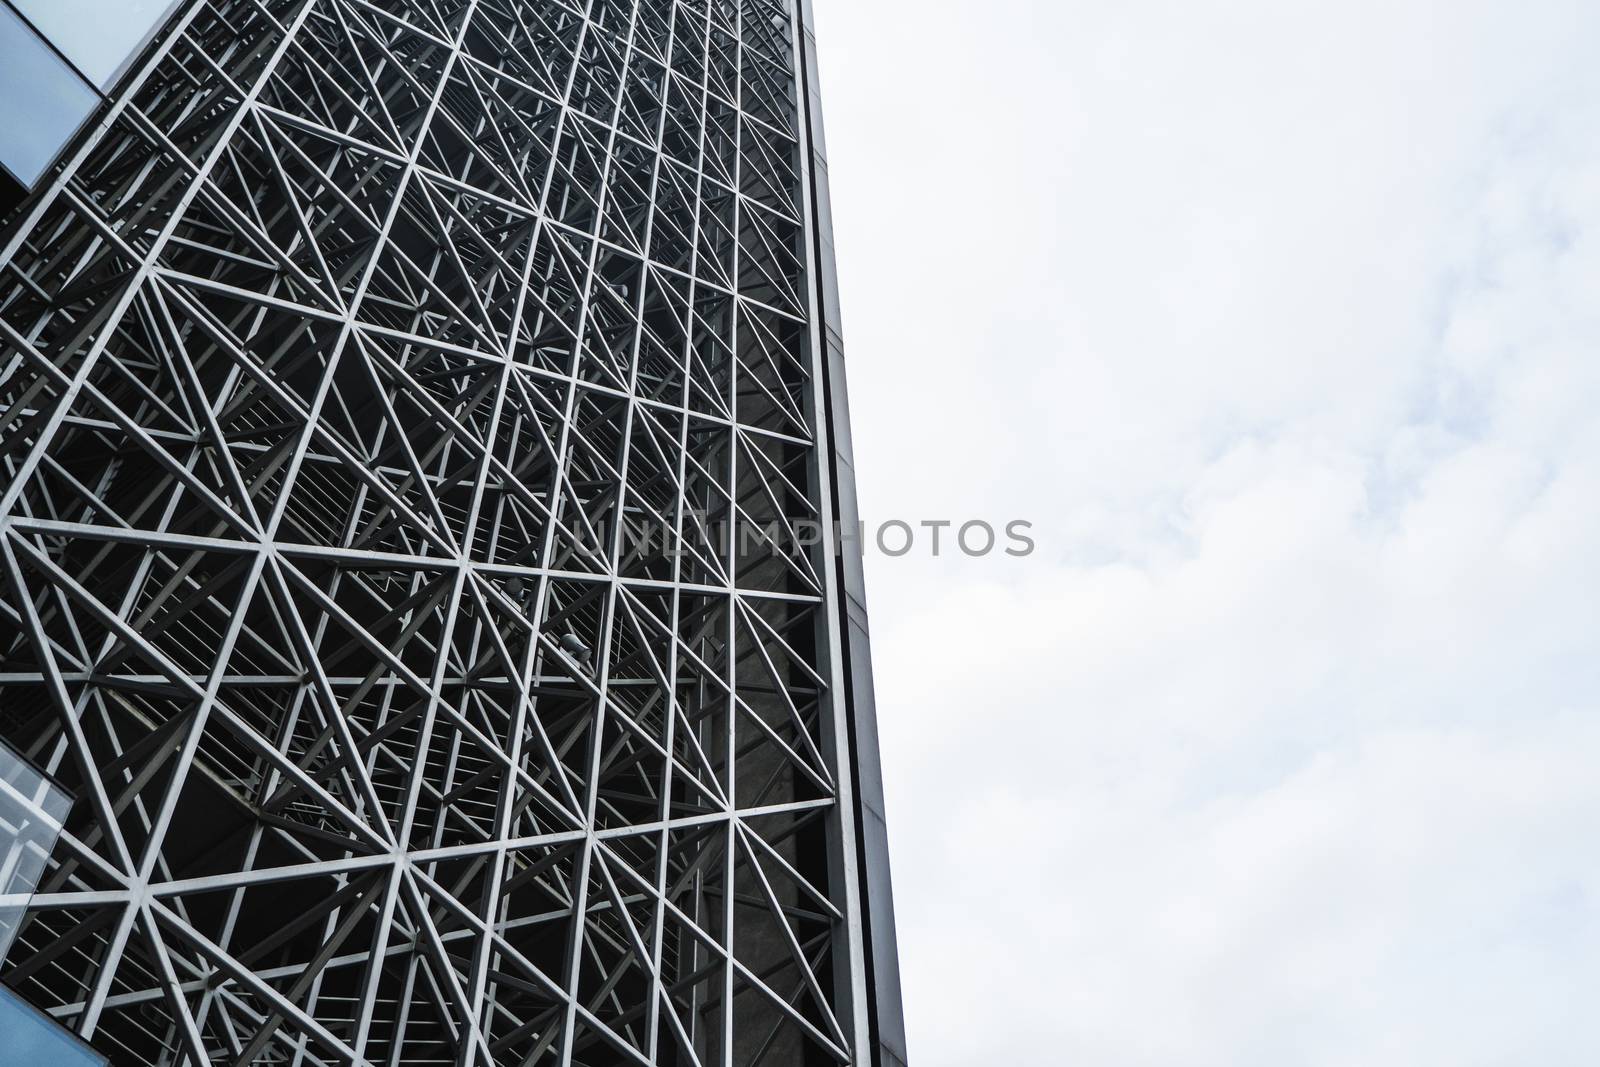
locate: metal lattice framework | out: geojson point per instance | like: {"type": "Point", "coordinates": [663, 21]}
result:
{"type": "Point", "coordinates": [338, 365]}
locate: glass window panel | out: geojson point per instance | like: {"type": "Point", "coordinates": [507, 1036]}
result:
{"type": "Point", "coordinates": [42, 102]}
{"type": "Point", "coordinates": [33, 1038]}
{"type": "Point", "coordinates": [33, 810]}
{"type": "Point", "coordinates": [100, 36]}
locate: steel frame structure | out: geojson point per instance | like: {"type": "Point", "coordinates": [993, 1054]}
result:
{"type": "Point", "coordinates": [338, 362]}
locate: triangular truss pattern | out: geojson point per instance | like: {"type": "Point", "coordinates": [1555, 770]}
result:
{"type": "Point", "coordinates": [389, 391]}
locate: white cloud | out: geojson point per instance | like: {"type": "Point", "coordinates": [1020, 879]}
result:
{"type": "Point", "coordinates": [1280, 322]}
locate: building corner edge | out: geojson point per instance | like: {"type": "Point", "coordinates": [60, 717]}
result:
{"type": "Point", "coordinates": [884, 1008]}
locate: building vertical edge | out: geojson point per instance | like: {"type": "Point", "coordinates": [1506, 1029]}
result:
{"type": "Point", "coordinates": [885, 1012]}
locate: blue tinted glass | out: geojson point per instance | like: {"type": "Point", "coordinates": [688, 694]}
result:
{"type": "Point", "coordinates": [97, 35]}
{"type": "Point", "coordinates": [31, 1038]}
{"type": "Point", "coordinates": [44, 101]}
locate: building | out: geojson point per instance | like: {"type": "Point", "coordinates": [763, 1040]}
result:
{"type": "Point", "coordinates": [424, 632]}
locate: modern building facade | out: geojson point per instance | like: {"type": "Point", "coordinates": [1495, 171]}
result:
{"type": "Point", "coordinates": [425, 635]}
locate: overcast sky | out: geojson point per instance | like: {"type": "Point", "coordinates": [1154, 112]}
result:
{"type": "Point", "coordinates": [1281, 322]}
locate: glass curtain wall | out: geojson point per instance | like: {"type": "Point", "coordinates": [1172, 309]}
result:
{"type": "Point", "coordinates": [57, 59]}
